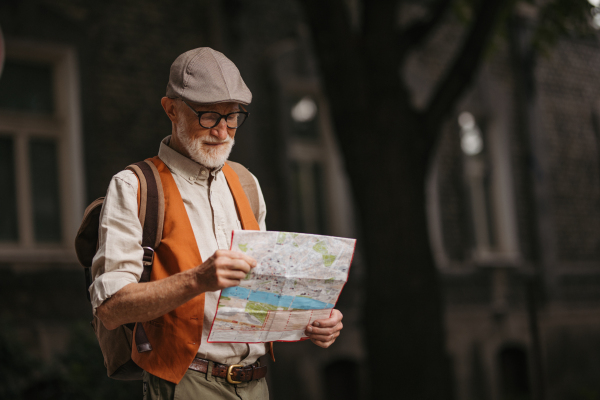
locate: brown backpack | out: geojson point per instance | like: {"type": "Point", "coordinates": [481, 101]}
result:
{"type": "Point", "coordinates": [116, 344]}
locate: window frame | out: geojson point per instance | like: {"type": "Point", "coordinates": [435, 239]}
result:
{"type": "Point", "coordinates": [500, 211]}
{"type": "Point", "coordinates": [64, 125]}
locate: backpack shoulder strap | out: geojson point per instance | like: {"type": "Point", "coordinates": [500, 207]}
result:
{"type": "Point", "coordinates": [248, 184]}
{"type": "Point", "coordinates": [152, 215]}
{"type": "Point", "coordinates": [151, 211]}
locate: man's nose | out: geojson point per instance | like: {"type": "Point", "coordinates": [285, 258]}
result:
{"type": "Point", "coordinates": [220, 131]}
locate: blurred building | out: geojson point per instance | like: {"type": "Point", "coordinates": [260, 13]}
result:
{"type": "Point", "coordinates": [513, 193]}
{"type": "Point", "coordinates": [513, 208]}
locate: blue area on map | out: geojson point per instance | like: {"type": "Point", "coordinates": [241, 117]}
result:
{"type": "Point", "coordinates": [271, 298]}
{"type": "Point", "coordinates": [237, 292]}
{"type": "Point", "coordinates": [299, 303]}
{"type": "Point", "coordinates": [304, 303]}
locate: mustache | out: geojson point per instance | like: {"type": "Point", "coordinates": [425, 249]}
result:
{"type": "Point", "coordinates": [212, 139]}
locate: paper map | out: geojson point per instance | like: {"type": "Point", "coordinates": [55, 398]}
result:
{"type": "Point", "coordinates": [298, 279]}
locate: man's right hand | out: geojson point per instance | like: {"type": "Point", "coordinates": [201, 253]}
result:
{"type": "Point", "coordinates": [140, 302]}
{"type": "Point", "coordinates": [224, 269]}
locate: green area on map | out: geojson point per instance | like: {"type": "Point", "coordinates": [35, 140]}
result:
{"type": "Point", "coordinates": [259, 310]}
{"type": "Point", "coordinates": [320, 247]}
{"type": "Point", "coordinates": [281, 237]}
{"type": "Point", "coordinates": [328, 259]}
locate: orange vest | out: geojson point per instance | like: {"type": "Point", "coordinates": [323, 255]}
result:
{"type": "Point", "coordinates": [175, 336]}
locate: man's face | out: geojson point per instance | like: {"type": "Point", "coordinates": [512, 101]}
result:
{"type": "Point", "coordinates": [209, 147]}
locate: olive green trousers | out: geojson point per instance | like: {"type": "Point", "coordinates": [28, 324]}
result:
{"type": "Point", "coordinates": [197, 385]}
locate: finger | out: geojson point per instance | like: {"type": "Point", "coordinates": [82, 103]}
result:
{"type": "Point", "coordinates": [239, 265]}
{"type": "Point", "coordinates": [233, 274]}
{"type": "Point", "coordinates": [323, 335]}
{"type": "Point", "coordinates": [326, 323]}
{"type": "Point", "coordinates": [324, 338]}
{"type": "Point", "coordinates": [236, 255]}
{"type": "Point", "coordinates": [226, 263]}
{"type": "Point", "coordinates": [323, 344]}
{"type": "Point", "coordinates": [334, 319]}
{"type": "Point", "coordinates": [324, 331]}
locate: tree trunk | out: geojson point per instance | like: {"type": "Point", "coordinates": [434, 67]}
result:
{"type": "Point", "coordinates": [403, 313]}
{"type": "Point", "coordinates": [387, 146]}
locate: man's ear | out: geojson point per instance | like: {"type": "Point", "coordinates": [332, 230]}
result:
{"type": "Point", "coordinates": [168, 105]}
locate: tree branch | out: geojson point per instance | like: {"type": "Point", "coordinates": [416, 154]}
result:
{"type": "Point", "coordinates": [465, 65]}
{"type": "Point", "coordinates": [418, 31]}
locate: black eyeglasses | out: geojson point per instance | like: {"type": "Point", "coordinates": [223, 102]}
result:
{"type": "Point", "coordinates": [210, 119]}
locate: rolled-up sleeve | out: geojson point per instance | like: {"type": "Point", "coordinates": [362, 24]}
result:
{"type": "Point", "coordinates": [118, 261]}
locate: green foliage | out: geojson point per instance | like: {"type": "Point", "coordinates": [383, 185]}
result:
{"type": "Point", "coordinates": [77, 375]}
{"type": "Point", "coordinates": [561, 18]}
{"type": "Point", "coordinates": [549, 20]}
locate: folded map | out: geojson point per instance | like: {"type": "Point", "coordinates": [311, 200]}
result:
{"type": "Point", "coordinates": [298, 279]}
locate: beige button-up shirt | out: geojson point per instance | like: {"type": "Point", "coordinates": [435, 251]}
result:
{"type": "Point", "coordinates": [211, 209]}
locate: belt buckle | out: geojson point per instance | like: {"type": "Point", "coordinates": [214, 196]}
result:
{"type": "Point", "coordinates": [230, 373]}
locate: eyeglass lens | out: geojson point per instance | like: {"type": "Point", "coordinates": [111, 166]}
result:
{"type": "Point", "coordinates": [210, 119]}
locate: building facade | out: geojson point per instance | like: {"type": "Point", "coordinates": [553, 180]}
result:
{"type": "Point", "coordinates": [513, 209]}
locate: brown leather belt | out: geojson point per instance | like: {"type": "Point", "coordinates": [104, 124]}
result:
{"type": "Point", "coordinates": [234, 373]}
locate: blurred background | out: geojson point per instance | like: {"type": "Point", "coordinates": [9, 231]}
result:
{"type": "Point", "coordinates": [458, 140]}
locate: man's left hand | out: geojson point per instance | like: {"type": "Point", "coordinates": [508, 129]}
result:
{"type": "Point", "coordinates": [323, 332]}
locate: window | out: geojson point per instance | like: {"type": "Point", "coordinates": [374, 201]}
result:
{"type": "Point", "coordinates": [478, 177]}
{"type": "Point", "coordinates": [487, 173]}
{"type": "Point", "coordinates": [470, 201]}
{"type": "Point", "coordinates": [40, 155]}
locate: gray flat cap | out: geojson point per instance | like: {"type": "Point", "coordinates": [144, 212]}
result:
{"type": "Point", "coordinates": [206, 76]}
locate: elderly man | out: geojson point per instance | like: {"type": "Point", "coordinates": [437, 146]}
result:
{"type": "Point", "coordinates": [204, 101]}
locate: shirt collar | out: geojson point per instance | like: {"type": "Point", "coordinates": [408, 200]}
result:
{"type": "Point", "coordinates": [179, 164]}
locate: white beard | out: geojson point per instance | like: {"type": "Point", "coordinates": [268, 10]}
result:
{"type": "Point", "coordinates": [209, 156]}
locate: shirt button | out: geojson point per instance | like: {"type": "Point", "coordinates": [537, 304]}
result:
{"type": "Point", "coordinates": [203, 172]}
